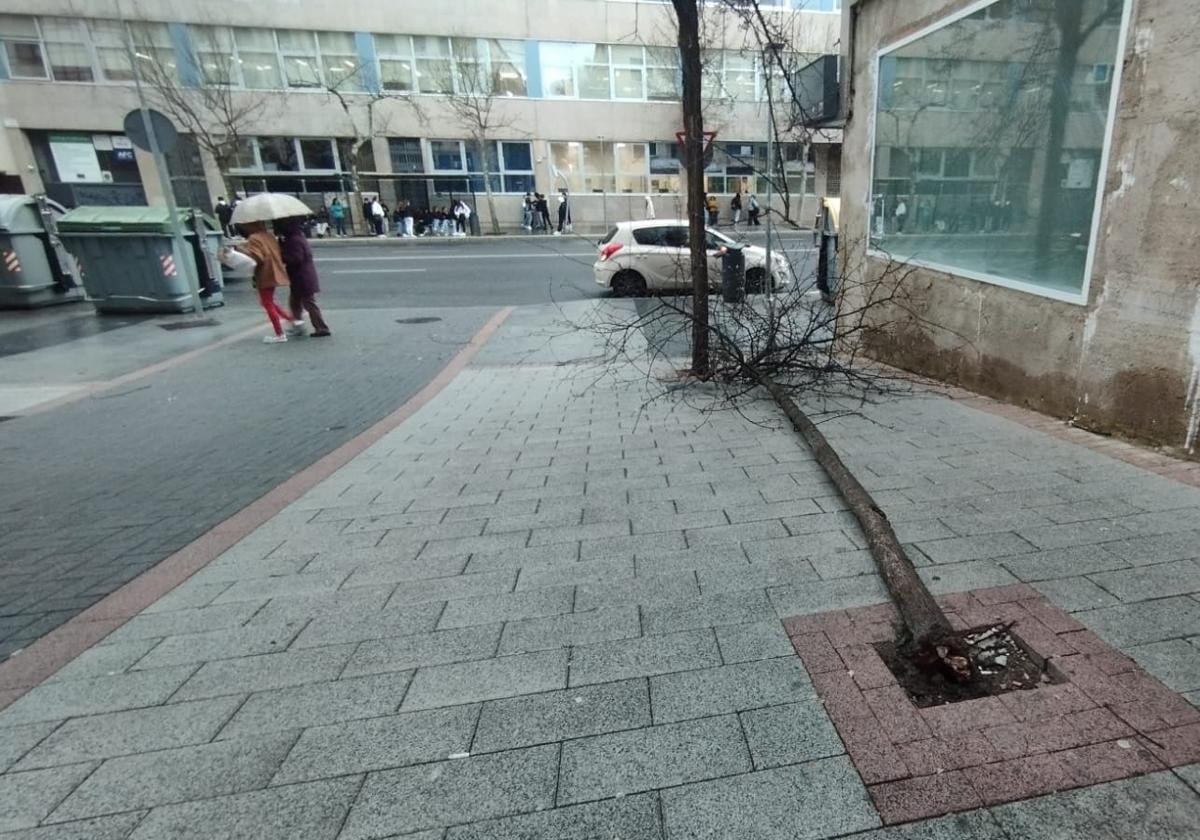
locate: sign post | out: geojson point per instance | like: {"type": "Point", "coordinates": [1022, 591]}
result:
{"type": "Point", "coordinates": [153, 132]}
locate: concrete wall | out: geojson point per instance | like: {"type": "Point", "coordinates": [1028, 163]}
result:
{"type": "Point", "coordinates": [1128, 361]}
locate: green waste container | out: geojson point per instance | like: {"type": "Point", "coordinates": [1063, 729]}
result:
{"type": "Point", "coordinates": [34, 268]}
{"type": "Point", "coordinates": [128, 260]}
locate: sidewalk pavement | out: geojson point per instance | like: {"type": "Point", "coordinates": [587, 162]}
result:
{"type": "Point", "coordinates": [540, 608]}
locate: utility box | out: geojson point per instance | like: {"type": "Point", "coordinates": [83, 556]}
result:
{"type": "Point", "coordinates": [129, 263]}
{"type": "Point", "coordinates": [35, 269]}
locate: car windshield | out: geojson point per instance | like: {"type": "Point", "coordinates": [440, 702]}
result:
{"type": "Point", "coordinates": [716, 240]}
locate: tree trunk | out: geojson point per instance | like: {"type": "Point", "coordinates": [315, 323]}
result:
{"type": "Point", "coordinates": [481, 150]}
{"type": "Point", "coordinates": [688, 14]}
{"type": "Point", "coordinates": [920, 613]}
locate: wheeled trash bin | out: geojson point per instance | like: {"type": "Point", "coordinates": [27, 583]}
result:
{"type": "Point", "coordinates": [35, 269]}
{"type": "Point", "coordinates": [129, 263]}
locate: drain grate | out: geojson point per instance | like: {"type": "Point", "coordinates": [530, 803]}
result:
{"type": "Point", "coordinates": [187, 325]}
{"type": "Point", "coordinates": [424, 319]}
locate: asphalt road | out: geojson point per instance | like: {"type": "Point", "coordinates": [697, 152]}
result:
{"type": "Point", "coordinates": [97, 491]}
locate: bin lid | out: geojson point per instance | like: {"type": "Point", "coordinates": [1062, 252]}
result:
{"type": "Point", "coordinates": [19, 214]}
{"type": "Point", "coordinates": [93, 219]}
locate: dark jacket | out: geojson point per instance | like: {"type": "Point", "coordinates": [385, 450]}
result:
{"type": "Point", "coordinates": [297, 256]}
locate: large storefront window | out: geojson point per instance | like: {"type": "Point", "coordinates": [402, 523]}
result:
{"type": "Point", "coordinates": [989, 136]}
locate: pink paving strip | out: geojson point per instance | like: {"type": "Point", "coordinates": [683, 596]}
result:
{"type": "Point", "coordinates": [1109, 720]}
{"type": "Point", "coordinates": [20, 673]}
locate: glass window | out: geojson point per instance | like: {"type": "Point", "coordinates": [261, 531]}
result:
{"type": "Point", "coordinates": [278, 154]}
{"type": "Point", "coordinates": [662, 74]}
{"type": "Point", "coordinates": [215, 55]}
{"type": "Point", "coordinates": [405, 153]}
{"type": "Point", "coordinates": [631, 167]}
{"type": "Point", "coordinates": [339, 61]}
{"type": "Point", "coordinates": [576, 70]}
{"type": "Point", "coordinates": [257, 59]}
{"type": "Point", "coordinates": [434, 64]}
{"type": "Point", "coordinates": [664, 167]}
{"type": "Point", "coordinates": [517, 157]}
{"type": "Point", "coordinates": [447, 155]}
{"type": "Point", "coordinates": [154, 51]}
{"type": "Point", "coordinates": [395, 62]}
{"type": "Point", "coordinates": [22, 47]}
{"type": "Point", "coordinates": [299, 50]}
{"type": "Point", "coordinates": [1020, 157]}
{"type": "Point", "coordinates": [67, 50]}
{"type": "Point", "coordinates": [318, 154]}
{"type": "Point", "coordinates": [508, 67]}
{"type": "Point", "coordinates": [740, 79]}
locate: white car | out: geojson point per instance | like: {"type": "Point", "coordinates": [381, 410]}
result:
{"type": "Point", "coordinates": [653, 255]}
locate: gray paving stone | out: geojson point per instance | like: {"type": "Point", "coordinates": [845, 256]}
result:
{"type": "Point", "coordinates": [453, 792]}
{"type": "Point", "coordinates": [838, 594]}
{"type": "Point", "coordinates": [744, 532]}
{"type": "Point", "coordinates": [176, 775]}
{"type": "Point", "coordinates": [280, 587]}
{"type": "Point", "coordinates": [642, 657]}
{"type": "Point", "coordinates": [808, 545]}
{"type": "Point", "coordinates": [710, 610]}
{"type": "Point", "coordinates": [993, 520]}
{"type": "Point", "coordinates": [26, 798]}
{"type": "Point", "coordinates": [218, 644]}
{"type": "Point", "coordinates": [1063, 562]}
{"type": "Point", "coordinates": [318, 703]}
{"type": "Point", "coordinates": [542, 557]}
{"type": "Point", "coordinates": [235, 565]}
{"type": "Point", "coordinates": [1147, 621]}
{"type": "Point", "coordinates": [1075, 534]}
{"type": "Point", "coordinates": [756, 575]}
{"type": "Point", "coordinates": [342, 629]}
{"type": "Point", "coordinates": [559, 574]}
{"type": "Point", "coordinates": [621, 763]}
{"type": "Point", "coordinates": [104, 660]}
{"type": "Point", "coordinates": [751, 642]}
{"type": "Point", "coordinates": [1155, 805]}
{"type": "Point", "coordinates": [1163, 522]}
{"type": "Point", "coordinates": [638, 545]}
{"type": "Point", "coordinates": [451, 588]}
{"type": "Point", "coordinates": [300, 609]}
{"type": "Point", "coordinates": [713, 557]}
{"type": "Point", "coordinates": [559, 715]}
{"type": "Point", "coordinates": [1076, 593]}
{"type": "Point", "coordinates": [136, 731]}
{"type": "Point", "coordinates": [1191, 775]}
{"type": "Point", "coordinates": [379, 743]}
{"type": "Point", "coordinates": [818, 799]}
{"type": "Point", "coordinates": [771, 510]}
{"type": "Point", "coordinates": [976, 825]}
{"type": "Point", "coordinates": [1176, 578]}
{"type": "Point", "coordinates": [962, 577]}
{"type": "Point", "coordinates": [729, 688]}
{"type": "Point", "coordinates": [642, 590]}
{"type": "Point", "coordinates": [385, 565]}
{"type": "Point", "coordinates": [487, 679]}
{"type": "Point", "coordinates": [438, 648]}
{"type": "Point", "coordinates": [981, 547]}
{"type": "Point", "coordinates": [115, 827]}
{"type": "Point", "coordinates": [512, 606]}
{"type": "Point", "coordinates": [15, 741]}
{"type": "Point", "coordinates": [651, 523]}
{"type": "Point", "coordinates": [790, 734]}
{"type": "Point", "coordinates": [314, 811]}
{"type": "Point", "coordinates": [599, 625]}
{"type": "Point", "coordinates": [265, 671]}
{"type": "Point", "coordinates": [95, 695]}
{"type": "Point", "coordinates": [1176, 662]}
{"type": "Point", "coordinates": [178, 622]}
{"type": "Point", "coordinates": [628, 818]}
{"type": "Point", "coordinates": [1160, 548]}
{"type": "Point", "coordinates": [471, 545]}
{"type": "Point", "coordinates": [844, 564]}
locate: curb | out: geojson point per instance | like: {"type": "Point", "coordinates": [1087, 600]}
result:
{"type": "Point", "coordinates": [24, 671]}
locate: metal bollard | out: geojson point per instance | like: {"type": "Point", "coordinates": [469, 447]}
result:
{"type": "Point", "coordinates": [733, 274]}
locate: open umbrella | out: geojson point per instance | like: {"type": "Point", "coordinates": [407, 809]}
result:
{"type": "Point", "coordinates": [264, 207]}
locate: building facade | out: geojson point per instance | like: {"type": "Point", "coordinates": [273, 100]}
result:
{"type": "Point", "coordinates": [582, 94]}
{"type": "Point", "coordinates": [1036, 164]}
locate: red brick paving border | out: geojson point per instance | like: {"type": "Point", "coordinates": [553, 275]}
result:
{"type": "Point", "coordinates": [1110, 720]}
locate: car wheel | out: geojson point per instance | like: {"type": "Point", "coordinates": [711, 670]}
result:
{"type": "Point", "coordinates": [628, 284]}
{"type": "Point", "coordinates": [754, 281]}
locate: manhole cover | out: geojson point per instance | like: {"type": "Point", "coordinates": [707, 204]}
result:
{"type": "Point", "coordinates": [425, 319]}
{"type": "Point", "coordinates": [187, 325]}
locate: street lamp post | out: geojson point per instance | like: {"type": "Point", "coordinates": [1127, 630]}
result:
{"type": "Point", "coordinates": [603, 184]}
{"type": "Point", "coordinates": [770, 51]}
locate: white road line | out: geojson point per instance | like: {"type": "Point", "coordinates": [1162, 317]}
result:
{"type": "Point", "coordinates": [452, 257]}
{"type": "Point", "coordinates": [378, 270]}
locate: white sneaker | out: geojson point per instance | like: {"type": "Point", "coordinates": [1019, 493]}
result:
{"type": "Point", "coordinates": [297, 329]}
{"type": "Point", "coordinates": [274, 339]}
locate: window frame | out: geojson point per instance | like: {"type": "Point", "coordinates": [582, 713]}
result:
{"type": "Point", "coordinates": [500, 173]}
{"type": "Point", "coordinates": [36, 40]}
{"type": "Point", "coordinates": [1080, 298]}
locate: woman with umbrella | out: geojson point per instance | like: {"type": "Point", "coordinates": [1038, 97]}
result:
{"type": "Point", "coordinates": [269, 270]}
{"type": "Point", "coordinates": [302, 274]}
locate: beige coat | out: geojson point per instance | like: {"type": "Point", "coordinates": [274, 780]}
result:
{"type": "Point", "coordinates": [269, 271]}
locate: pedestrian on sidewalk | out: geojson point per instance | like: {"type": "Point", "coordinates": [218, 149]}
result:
{"type": "Point", "coordinates": [302, 275]}
{"type": "Point", "coordinates": [543, 210]}
{"type": "Point", "coordinates": [736, 206]}
{"type": "Point", "coordinates": [649, 207]}
{"type": "Point", "coordinates": [564, 212]}
{"type": "Point", "coordinates": [752, 206]}
{"type": "Point", "coordinates": [337, 215]}
{"type": "Point", "coordinates": [527, 212]}
{"type": "Point", "coordinates": [408, 219]}
{"type": "Point", "coordinates": [378, 217]}
{"type": "Point", "coordinates": [269, 274]}
{"type": "Point", "coordinates": [224, 214]}
{"type": "Point", "coordinates": [714, 210]}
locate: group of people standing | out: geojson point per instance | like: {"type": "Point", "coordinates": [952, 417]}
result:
{"type": "Point", "coordinates": [535, 213]}
{"type": "Point", "coordinates": [445, 220]}
{"type": "Point", "coordinates": [751, 205]}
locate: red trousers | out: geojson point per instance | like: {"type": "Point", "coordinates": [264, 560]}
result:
{"type": "Point", "coordinates": [274, 311]}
